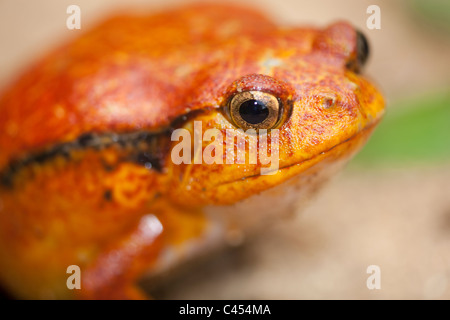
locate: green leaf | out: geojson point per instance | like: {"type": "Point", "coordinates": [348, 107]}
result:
{"type": "Point", "coordinates": [412, 132]}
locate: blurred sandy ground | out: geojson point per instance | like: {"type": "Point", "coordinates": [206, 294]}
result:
{"type": "Point", "coordinates": [397, 219]}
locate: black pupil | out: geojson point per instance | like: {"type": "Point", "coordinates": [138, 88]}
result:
{"type": "Point", "coordinates": [253, 111]}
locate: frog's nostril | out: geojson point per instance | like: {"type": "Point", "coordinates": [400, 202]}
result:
{"type": "Point", "coordinates": [327, 100]}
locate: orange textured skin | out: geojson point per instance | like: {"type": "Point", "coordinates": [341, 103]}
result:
{"type": "Point", "coordinates": [114, 217]}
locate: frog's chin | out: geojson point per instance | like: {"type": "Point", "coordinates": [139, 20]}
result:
{"type": "Point", "coordinates": [287, 190]}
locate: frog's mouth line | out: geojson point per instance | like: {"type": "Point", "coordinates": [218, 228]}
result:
{"type": "Point", "coordinates": [312, 160]}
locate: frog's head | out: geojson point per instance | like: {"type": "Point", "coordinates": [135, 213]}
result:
{"type": "Point", "coordinates": [305, 88]}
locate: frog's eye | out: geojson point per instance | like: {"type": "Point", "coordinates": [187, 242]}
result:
{"type": "Point", "coordinates": [362, 48]}
{"type": "Point", "coordinates": [362, 53]}
{"type": "Point", "coordinates": [255, 110]}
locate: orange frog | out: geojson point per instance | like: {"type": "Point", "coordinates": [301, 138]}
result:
{"type": "Point", "coordinates": [130, 149]}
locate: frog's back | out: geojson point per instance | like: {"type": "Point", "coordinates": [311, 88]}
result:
{"type": "Point", "coordinates": [129, 72]}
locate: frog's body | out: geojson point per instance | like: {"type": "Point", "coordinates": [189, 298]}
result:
{"type": "Point", "coordinates": [86, 171]}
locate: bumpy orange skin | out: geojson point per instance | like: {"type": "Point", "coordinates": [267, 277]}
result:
{"type": "Point", "coordinates": [114, 217]}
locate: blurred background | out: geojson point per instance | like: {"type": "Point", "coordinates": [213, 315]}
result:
{"type": "Point", "coordinates": [390, 207]}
